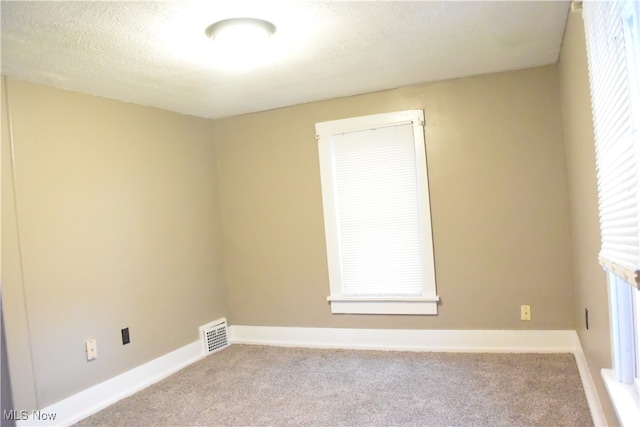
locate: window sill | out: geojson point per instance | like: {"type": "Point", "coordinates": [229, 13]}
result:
{"type": "Point", "coordinates": [624, 398]}
{"type": "Point", "coordinates": [422, 305]}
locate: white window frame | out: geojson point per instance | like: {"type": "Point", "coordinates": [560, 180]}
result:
{"type": "Point", "coordinates": [625, 312]}
{"type": "Point", "coordinates": [426, 303]}
{"type": "Point", "coordinates": [636, 313]}
{"type": "Point", "coordinates": [631, 17]}
{"type": "Point", "coordinates": [636, 337]}
{"type": "Point", "coordinates": [623, 382]}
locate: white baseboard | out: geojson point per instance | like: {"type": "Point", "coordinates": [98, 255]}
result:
{"type": "Point", "coordinates": [93, 399]}
{"type": "Point", "coordinates": [597, 413]}
{"type": "Point", "coordinates": [493, 341]}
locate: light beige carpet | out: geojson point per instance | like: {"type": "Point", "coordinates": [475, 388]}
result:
{"type": "Point", "coordinates": [272, 386]}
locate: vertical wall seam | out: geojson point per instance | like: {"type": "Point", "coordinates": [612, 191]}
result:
{"type": "Point", "coordinates": [12, 159]}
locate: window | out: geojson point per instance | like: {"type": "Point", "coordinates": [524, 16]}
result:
{"type": "Point", "coordinates": [377, 216]}
{"type": "Point", "coordinates": [613, 47]}
{"type": "Point", "coordinates": [623, 382]}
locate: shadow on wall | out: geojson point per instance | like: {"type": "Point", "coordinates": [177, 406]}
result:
{"type": "Point", "coordinates": [7, 401]}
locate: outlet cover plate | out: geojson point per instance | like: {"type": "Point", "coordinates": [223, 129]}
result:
{"type": "Point", "coordinates": [91, 346]}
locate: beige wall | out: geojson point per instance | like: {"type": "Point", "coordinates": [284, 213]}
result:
{"type": "Point", "coordinates": [590, 280]}
{"type": "Point", "coordinates": [119, 227]}
{"type": "Point", "coordinates": [120, 223]}
{"type": "Point", "coordinates": [498, 183]}
{"type": "Point", "coordinates": [15, 321]}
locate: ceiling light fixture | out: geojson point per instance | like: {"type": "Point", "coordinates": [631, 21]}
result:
{"type": "Point", "coordinates": [240, 43]}
{"type": "Point", "coordinates": [240, 31]}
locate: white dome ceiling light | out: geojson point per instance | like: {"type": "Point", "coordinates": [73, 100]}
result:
{"type": "Point", "coordinates": [240, 42]}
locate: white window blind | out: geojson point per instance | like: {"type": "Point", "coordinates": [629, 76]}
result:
{"type": "Point", "coordinates": [377, 215]}
{"type": "Point", "coordinates": [612, 75]}
{"type": "Point", "coordinates": [378, 212]}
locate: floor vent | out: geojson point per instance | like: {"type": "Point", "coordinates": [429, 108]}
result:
{"type": "Point", "coordinates": [214, 336]}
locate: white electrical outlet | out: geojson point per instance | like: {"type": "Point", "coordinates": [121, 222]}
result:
{"type": "Point", "coordinates": [525, 312]}
{"type": "Point", "coordinates": [92, 349]}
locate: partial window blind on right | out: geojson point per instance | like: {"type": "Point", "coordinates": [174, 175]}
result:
{"type": "Point", "coordinates": [616, 136]}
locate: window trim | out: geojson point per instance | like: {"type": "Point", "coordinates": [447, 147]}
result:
{"type": "Point", "coordinates": [623, 276]}
{"type": "Point", "coordinates": [426, 304]}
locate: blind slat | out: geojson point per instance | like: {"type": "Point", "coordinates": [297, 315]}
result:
{"type": "Point", "coordinates": [615, 137]}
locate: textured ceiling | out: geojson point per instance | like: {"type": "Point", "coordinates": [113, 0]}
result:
{"type": "Point", "coordinates": [155, 52]}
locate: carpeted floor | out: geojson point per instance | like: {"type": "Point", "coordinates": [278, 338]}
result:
{"type": "Point", "coordinates": [273, 386]}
